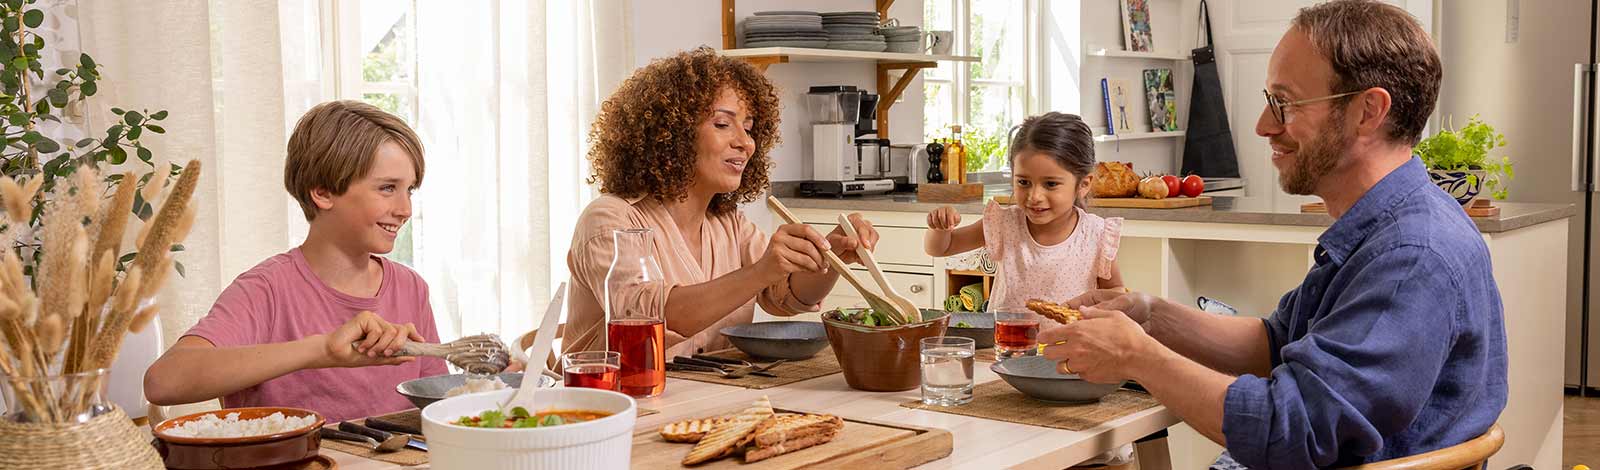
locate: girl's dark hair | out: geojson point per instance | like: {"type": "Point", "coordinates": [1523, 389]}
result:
{"type": "Point", "coordinates": [1063, 137]}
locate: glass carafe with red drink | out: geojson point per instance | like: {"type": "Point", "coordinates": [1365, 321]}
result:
{"type": "Point", "coordinates": [635, 329]}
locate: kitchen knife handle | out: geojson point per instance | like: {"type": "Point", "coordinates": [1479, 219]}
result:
{"type": "Point", "coordinates": [391, 426]}
{"type": "Point", "coordinates": [349, 426]}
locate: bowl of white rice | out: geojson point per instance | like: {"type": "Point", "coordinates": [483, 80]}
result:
{"type": "Point", "coordinates": [239, 438]}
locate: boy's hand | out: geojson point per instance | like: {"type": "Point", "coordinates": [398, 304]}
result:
{"type": "Point", "coordinates": [368, 340]}
{"type": "Point", "coordinates": [944, 218]}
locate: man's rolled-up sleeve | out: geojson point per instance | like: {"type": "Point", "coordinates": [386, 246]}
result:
{"type": "Point", "coordinates": [1363, 371]}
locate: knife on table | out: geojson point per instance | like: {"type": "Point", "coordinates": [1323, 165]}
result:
{"type": "Point", "coordinates": [411, 442]}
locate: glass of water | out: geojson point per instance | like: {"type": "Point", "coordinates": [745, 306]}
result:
{"type": "Point", "coordinates": [947, 370]}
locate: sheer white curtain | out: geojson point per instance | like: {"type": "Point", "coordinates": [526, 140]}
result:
{"type": "Point", "coordinates": [215, 66]}
{"type": "Point", "coordinates": [506, 91]}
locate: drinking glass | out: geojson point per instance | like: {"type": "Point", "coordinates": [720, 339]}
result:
{"type": "Point", "coordinates": [591, 369]}
{"type": "Point", "coordinates": [947, 370]}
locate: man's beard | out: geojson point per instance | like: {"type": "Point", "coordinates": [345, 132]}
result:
{"type": "Point", "coordinates": [1317, 158]}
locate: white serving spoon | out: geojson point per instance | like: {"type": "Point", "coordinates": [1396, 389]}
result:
{"type": "Point", "coordinates": [524, 396]}
{"type": "Point", "coordinates": [907, 309]}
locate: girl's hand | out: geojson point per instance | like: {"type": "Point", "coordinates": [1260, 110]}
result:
{"type": "Point", "coordinates": [794, 248]}
{"type": "Point", "coordinates": [944, 219]}
{"type": "Point", "coordinates": [845, 247]}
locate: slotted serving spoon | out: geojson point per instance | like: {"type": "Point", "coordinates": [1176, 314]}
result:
{"type": "Point", "coordinates": [524, 396]}
{"type": "Point", "coordinates": [476, 354]}
{"type": "Point", "coordinates": [908, 310]}
{"type": "Point", "coordinates": [873, 299]}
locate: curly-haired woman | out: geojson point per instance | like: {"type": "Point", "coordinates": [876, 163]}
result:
{"type": "Point", "coordinates": [676, 149]}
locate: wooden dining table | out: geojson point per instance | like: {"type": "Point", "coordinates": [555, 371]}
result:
{"type": "Point", "coordinates": [978, 442]}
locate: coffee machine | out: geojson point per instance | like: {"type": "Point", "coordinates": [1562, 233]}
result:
{"type": "Point", "coordinates": [841, 163]}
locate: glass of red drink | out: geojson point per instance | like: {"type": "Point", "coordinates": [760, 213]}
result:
{"type": "Point", "coordinates": [1015, 333]}
{"type": "Point", "coordinates": [591, 369]}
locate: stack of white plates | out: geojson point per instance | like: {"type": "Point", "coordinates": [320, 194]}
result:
{"type": "Point", "coordinates": [785, 29]}
{"type": "Point", "coordinates": [853, 31]}
{"type": "Point", "coordinates": [903, 39]}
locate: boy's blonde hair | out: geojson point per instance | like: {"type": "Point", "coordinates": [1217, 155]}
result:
{"type": "Point", "coordinates": [334, 144]}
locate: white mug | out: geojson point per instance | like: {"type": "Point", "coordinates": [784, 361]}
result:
{"type": "Point", "coordinates": [939, 42]}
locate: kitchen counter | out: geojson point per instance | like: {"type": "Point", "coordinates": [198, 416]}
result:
{"type": "Point", "coordinates": [1513, 215]}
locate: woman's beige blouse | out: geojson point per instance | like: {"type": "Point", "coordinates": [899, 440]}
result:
{"type": "Point", "coordinates": [727, 242]}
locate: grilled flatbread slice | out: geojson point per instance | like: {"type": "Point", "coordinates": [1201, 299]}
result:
{"type": "Point", "coordinates": [762, 453]}
{"type": "Point", "coordinates": [1054, 311]}
{"type": "Point", "coordinates": [691, 430]}
{"type": "Point", "coordinates": [788, 427]}
{"type": "Point", "coordinates": [725, 439]}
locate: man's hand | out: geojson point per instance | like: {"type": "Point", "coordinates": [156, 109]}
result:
{"type": "Point", "coordinates": [367, 340]}
{"type": "Point", "coordinates": [1104, 347]}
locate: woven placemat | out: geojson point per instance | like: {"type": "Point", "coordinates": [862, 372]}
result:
{"type": "Point", "coordinates": [998, 401]}
{"type": "Point", "coordinates": [824, 363]}
{"type": "Point", "coordinates": [405, 456]}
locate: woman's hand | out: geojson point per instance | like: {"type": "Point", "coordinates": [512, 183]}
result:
{"type": "Point", "coordinates": [368, 340]}
{"type": "Point", "coordinates": [845, 247]}
{"type": "Point", "coordinates": [944, 219]}
{"type": "Point", "coordinates": [795, 248]}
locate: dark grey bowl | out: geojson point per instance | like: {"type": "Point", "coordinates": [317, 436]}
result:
{"type": "Point", "coordinates": [424, 391]}
{"type": "Point", "coordinates": [792, 340]}
{"type": "Point", "coordinates": [981, 328]}
{"type": "Point", "coordinates": [1036, 377]}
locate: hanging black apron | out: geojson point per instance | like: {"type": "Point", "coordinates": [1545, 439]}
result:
{"type": "Point", "coordinates": [1208, 144]}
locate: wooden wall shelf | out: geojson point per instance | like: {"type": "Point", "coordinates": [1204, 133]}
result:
{"type": "Point", "coordinates": [889, 88]}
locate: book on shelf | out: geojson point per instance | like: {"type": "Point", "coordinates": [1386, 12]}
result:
{"type": "Point", "coordinates": [1116, 102]}
{"type": "Point", "coordinates": [1162, 100]}
{"type": "Point", "coordinates": [1105, 105]}
{"type": "Point", "coordinates": [1136, 25]}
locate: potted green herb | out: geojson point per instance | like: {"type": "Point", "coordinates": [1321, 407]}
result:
{"type": "Point", "coordinates": [1459, 162]}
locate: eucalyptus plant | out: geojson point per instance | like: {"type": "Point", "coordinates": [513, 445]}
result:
{"type": "Point", "coordinates": [30, 95]}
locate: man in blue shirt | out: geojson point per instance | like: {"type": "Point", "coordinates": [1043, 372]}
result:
{"type": "Point", "coordinates": [1394, 344]}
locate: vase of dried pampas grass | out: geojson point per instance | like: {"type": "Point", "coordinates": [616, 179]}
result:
{"type": "Point", "coordinates": [61, 329]}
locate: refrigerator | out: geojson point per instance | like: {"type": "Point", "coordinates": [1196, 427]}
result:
{"type": "Point", "coordinates": [1529, 69]}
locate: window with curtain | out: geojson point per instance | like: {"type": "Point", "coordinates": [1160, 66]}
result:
{"type": "Point", "coordinates": [502, 118]}
{"type": "Point", "coordinates": [986, 98]}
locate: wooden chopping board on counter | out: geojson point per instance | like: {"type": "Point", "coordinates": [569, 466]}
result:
{"type": "Point", "coordinates": [1134, 202]}
{"type": "Point", "coordinates": [867, 443]}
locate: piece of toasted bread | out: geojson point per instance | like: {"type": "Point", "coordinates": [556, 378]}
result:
{"type": "Point", "coordinates": [691, 430]}
{"type": "Point", "coordinates": [762, 453]}
{"type": "Point", "coordinates": [725, 438]}
{"type": "Point", "coordinates": [787, 427]}
{"type": "Point", "coordinates": [1054, 311]}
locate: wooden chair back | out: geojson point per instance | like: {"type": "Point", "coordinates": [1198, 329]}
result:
{"type": "Point", "coordinates": [1471, 455]}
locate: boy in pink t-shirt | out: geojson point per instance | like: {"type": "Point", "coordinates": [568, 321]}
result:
{"type": "Point", "coordinates": [282, 333]}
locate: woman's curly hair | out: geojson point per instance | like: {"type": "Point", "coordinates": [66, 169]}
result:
{"type": "Point", "coordinates": [643, 141]}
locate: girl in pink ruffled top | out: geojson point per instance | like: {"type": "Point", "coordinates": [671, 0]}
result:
{"type": "Point", "coordinates": [1045, 246]}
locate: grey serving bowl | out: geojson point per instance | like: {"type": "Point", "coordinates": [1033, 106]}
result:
{"type": "Point", "coordinates": [792, 340]}
{"type": "Point", "coordinates": [980, 327]}
{"type": "Point", "coordinates": [424, 391]}
{"type": "Point", "coordinates": [1036, 377]}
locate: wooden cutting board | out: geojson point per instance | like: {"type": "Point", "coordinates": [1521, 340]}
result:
{"type": "Point", "coordinates": [1142, 203]}
{"type": "Point", "coordinates": [867, 443]}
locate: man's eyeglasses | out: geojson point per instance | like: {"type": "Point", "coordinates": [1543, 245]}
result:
{"type": "Point", "coordinates": [1277, 104]}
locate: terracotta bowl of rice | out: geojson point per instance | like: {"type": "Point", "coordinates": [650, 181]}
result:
{"type": "Point", "coordinates": [239, 438]}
